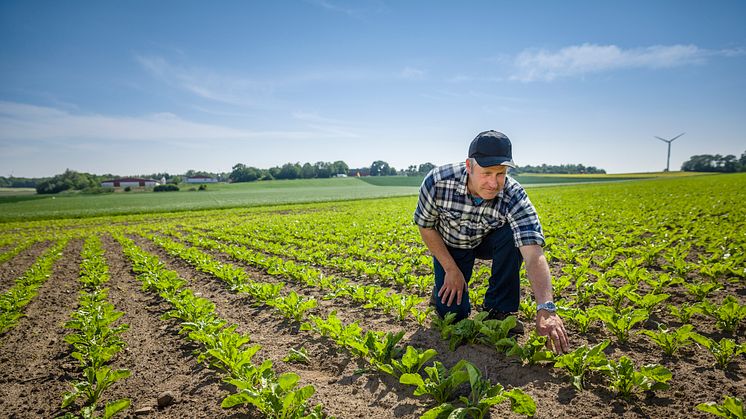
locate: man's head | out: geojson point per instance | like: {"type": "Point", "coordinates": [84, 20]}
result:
{"type": "Point", "coordinates": [490, 155]}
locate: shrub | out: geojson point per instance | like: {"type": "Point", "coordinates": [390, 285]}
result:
{"type": "Point", "coordinates": [165, 188]}
{"type": "Point", "coordinates": [203, 187]}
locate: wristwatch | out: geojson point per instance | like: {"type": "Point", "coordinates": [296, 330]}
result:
{"type": "Point", "coordinates": [548, 306]}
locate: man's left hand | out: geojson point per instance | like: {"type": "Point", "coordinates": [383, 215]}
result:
{"type": "Point", "coordinates": [550, 325]}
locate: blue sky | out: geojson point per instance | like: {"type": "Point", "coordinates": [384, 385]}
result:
{"type": "Point", "coordinates": [134, 87]}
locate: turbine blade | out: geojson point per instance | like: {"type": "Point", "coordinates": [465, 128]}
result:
{"type": "Point", "coordinates": [678, 136]}
{"type": "Point", "coordinates": [665, 141]}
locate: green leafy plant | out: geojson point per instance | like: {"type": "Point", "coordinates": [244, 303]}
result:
{"type": "Point", "coordinates": [670, 340]}
{"type": "Point", "coordinates": [95, 382]}
{"type": "Point", "coordinates": [582, 360]}
{"type": "Point", "coordinates": [578, 317]}
{"type": "Point", "coordinates": [724, 350]}
{"type": "Point", "coordinates": [439, 382]}
{"type": "Point", "coordinates": [702, 290]}
{"type": "Point", "coordinates": [732, 408]}
{"type": "Point", "coordinates": [620, 322]}
{"type": "Point", "coordinates": [292, 306]}
{"type": "Point", "coordinates": [297, 356]}
{"type": "Point", "coordinates": [413, 360]}
{"type": "Point", "coordinates": [727, 315]}
{"type": "Point", "coordinates": [280, 399]}
{"type": "Point", "coordinates": [684, 312]}
{"type": "Point", "coordinates": [482, 396]}
{"type": "Point", "coordinates": [625, 380]}
{"type": "Point", "coordinates": [533, 351]}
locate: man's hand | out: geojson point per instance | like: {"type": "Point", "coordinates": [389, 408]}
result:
{"type": "Point", "coordinates": [550, 325]}
{"type": "Point", "coordinates": [453, 287]}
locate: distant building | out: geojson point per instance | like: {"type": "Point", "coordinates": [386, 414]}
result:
{"type": "Point", "coordinates": [340, 175]}
{"type": "Point", "coordinates": [201, 179]}
{"type": "Point", "coordinates": [129, 181]}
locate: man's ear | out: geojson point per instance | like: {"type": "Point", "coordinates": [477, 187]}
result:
{"type": "Point", "coordinates": [468, 165]}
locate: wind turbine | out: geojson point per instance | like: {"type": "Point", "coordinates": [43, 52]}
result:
{"type": "Point", "coordinates": [668, 160]}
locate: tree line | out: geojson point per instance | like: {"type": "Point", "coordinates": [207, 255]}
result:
{"type": "Point", "coordinates": [564, 169]}
{"type": "Point", "coordinates": [715, 163]}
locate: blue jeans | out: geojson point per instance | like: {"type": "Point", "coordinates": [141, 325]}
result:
{"type": "Point", "coordinates": [503, 292]}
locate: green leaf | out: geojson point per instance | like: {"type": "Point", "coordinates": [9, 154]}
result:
{"type": "Point", "coordinates": [112, 408]}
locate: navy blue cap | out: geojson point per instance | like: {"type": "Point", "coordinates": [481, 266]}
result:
{"type": "Point", "coordinates": [492, 148]}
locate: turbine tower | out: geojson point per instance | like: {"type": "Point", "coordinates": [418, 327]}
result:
{"type": "Point", "coordinates": [668, 160]}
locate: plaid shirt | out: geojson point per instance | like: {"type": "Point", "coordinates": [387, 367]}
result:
{"type": "Point", "coordinates": [446, 205]}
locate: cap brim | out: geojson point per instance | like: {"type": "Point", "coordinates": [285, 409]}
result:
{"type": "Point", "coordinates": [494, 161]}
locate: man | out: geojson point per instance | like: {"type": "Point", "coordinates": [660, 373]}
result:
{"type": "Point", "coordinates": [473, 210]}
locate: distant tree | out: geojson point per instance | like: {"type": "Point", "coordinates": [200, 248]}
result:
{"type": "Point", "coordinates": [289, 171]}
{"type": "Point", "coordinates": [323, 169]}
{"type": "Point", "coordinates": [425, 168]}
{"type": "Point", "coordinates": [70, 180]}
{"type": "Point", "coordinates": [559, 169]}
{"type": "Point", "coordinates": [381, 168]}
{"type": "Point", "coordinates": [714, 163]}
{"type": "Point", "coordinates": [308, 171]}
{"type": "Point", "coordinates": [339, 167]}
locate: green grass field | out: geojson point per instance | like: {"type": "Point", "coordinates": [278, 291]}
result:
{"type": "Point", "coordinates": [19, 205]}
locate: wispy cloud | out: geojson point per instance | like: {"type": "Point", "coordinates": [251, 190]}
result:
{"type": "Point", "coordinates": [360, 11]}
{"type": "Point", "coordinates": [579, 60]}
{"type": "Point", "coordinates": [206, 84]}
{"type": "Point", "coordinates": [412, 73]}
{"type": "Point", "coordinates": [22, 122]}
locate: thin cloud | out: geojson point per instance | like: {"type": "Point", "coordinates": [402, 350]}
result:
{"type": "Point", "coordinates": [22, 122]}
{"type": "Point", "coordinates": [204, 83]}
{"type": "Point", "coordinates": [373, 7]}
{"type": "Point", "coordinates": [412, 73]}
{"type": "Point", "coordinates": [579, 60]}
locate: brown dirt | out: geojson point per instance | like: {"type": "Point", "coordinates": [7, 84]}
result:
{"type": "Point", "coordinates": [34, 356]}
{"type": "Point", "coordinates": [36, 365]}
{"type": "Point", "coordinates": [19, 264]}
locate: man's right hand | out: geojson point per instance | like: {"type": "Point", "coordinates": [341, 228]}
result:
{"type": "Point", "coordinates": [453, 288]}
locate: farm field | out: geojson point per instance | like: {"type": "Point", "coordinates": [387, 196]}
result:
{"type": "Point", "coordinates": [322, 309]}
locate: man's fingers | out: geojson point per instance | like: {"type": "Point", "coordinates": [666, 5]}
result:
{"type": "Point", "coordinates": [458, 296]}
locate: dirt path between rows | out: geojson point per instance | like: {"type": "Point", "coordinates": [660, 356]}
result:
{"type": "Point", "coordinates": [343, 393]}
{"type": "Point", "coordinates": [36, 367]}
{"type": "Point", "coordinates": [19, 264]}
{"type": "Point", "coordinates": [159, 359]}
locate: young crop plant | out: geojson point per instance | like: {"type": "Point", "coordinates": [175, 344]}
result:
{"type": "Point", "coordinates": [413, 360]}
{"type": "Point", "coordinates": [582, 360]}
{"type": "Point", "coordinates": [533, 351]}
{"type": "Point", "coordinates": [724, 350]}
{"type": "Point", "coordinates": [625, 380]}
{"type": "Point", "coordinates": [684, 312]}
{"type": "Point", "coordinates": [292, 306]}
{"type": "Point", "coordinates": [702, 290]}
{"type": "Point", "coordinates": [648, 301]}
{"type": "Point", "coordinates": [614, 295]}
{"type": "Point", "coordinates": [663, 282]}
{"type": "Point", "coordinates": [440, 383]}
{"type": "Point", "coordinates": [95, 382]}
{"type": "Point", "coordinates": [670, 340]}
{"type": "Point", "coordinates": [527, 307]}
{"type": "Point", "coordinates": [298, 356]}
{"type": "Point", "coordinates": [482, 396]}
{"type": "Point", "coordinates": [732, 408]}
{"type": "Point", "coordinates": [280, 398]}
{"type": "Point", "coordinates": [620, 322]}
{"type": "Point", "coordinates": [727, 315]}
{"type": "Point", "coordinates": [578, 317]}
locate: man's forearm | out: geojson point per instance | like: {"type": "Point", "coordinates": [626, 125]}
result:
{"type": "Point", "coordinates": [537, 271]}
{"type": "Point", "coordinates": [437, 247]}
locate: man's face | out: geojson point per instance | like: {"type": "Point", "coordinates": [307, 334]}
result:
{"type": "Point", "coordinates": [485, 182]}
